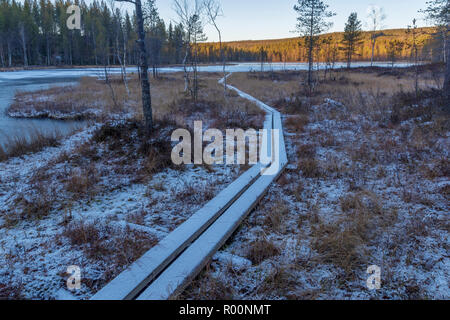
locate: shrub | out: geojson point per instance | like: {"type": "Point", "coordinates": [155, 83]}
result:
{"type": "Point", "coordinates": [310, 168]}
{"type": "Point", "coordinates": [260, 250]}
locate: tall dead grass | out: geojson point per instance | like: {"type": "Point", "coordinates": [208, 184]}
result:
{"type": "Point", "coordinates": [100, 242]}
{"type": "Point", "coordinates": [37, 140]}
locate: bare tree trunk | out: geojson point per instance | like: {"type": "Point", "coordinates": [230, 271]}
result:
{"type": "Point", "coordinates": [71, 47]}
{"type": "Point", "coordinates": [2, 56]}
{"type": "Point", "coordinates": [447, 73]}
{"type": "Point", "coordinates": [186, 72]}
{"type": "Point", "coordinates": [24, 45]}
{"type": "Point", "coordinates": [262, 60]}
{"type": "Point", "coordinates": [145, 84]}
{"type": "Point", "coordinates": [108, 83]}
{"type": "Point", "coordinates": [444, 46]}
{"type": "Point", "coordinates": [223, 62]}
{"type": "Point", "coordinates": [416, 71]}
{"type": "Point", "coordinates": [123, 63]}
{"type": "Point", "coordinates": [349, 57]}
{"type": "Point", "coordinates": [310, 53]}
{"type": "Point", "coordinates": [195, 64]}
{"type": "Point", "coordinates": [48, 50]}
{"type": "Point", "coordinates": [95, 46]}
{"type": "Point", "coordinates": [373, 50]}
{"type": "Point", "coordinates": [9, 54]}
{"type": "Point", "coordinates": [310, 61]}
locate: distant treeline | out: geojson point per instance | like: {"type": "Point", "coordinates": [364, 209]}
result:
{"type": "Point", "coordinates": [331, 48]}
{"type": "Point", "coordinates": [34, 32]}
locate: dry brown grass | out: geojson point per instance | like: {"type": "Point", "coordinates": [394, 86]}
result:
{"type": "Point", "coordinates": [351, 202]}
{"type": "Point", "coordinates": [37, 141]}
{"type": "Point", "coordinates": [279, 281]}
{"type": "Point", "coordinates": [168, 98]}
{"type": "Point", "coordinates": [437, 169]}
{"type": "Point", "coordinates": [128, 143]}
{"type": "Point", "coordinates": [260, 250]}
{"type": "Point", "coordinates": [310, 167]}
{"type": "Point", "coordinates": [207, 287]}
{"type": "Point", "coordinates": [361, 90]}
{"type": "Point", "coordinates": [342, 248]}
{"type": "Point", "coordinates": [296, 123]}
{"type": "Point", "coordinates": [82, 181]}
{"type": "Point", "coordinates": [92, 93]}
{"type": "Point", "coordinates": [306, 151]}
{"type": "Point", "coordinates": [298, 191]}
{"type": "Point", "coordinates": [343, 242]}
{"type": "Point", "coordinates": [34, 206]}
{"type": "Point", "coordinates": [263, 88]}
{"type": "Point", "coordinates": [307, 162]}
{"type": "Point", "coordinates": [120, 247]}
{"type": "Point", "coordinates": [276, 215]}
{"type": "Point", "coordinates": [195, 193]}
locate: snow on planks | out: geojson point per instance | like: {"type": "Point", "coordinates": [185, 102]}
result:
{"type": "Point", "coordinates": [187, 266]}
{"type": "Point", "coordinates": [166, 269]}
{"type": "Point", "coordinates": [134, 279]}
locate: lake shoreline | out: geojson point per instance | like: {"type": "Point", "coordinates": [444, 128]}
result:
{"type": "Point", "coordinates": [68, 67]}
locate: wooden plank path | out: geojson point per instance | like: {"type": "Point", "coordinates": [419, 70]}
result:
{"type": "Point", "coordinates": [166, 269]}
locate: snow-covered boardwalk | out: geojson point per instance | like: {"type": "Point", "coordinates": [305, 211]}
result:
{"type": "Point", "coordinates": [166, 269]}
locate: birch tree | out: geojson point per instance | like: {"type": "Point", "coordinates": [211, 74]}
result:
{"type": "Point", "coordinates": [311, 22]}
{"type": "Point", "coordinates": [143, 65]}
{"type": "Point", "coordinates": [190, 17]}
{"type": "Point", "coordinates": [413, 31]}
{"type": "Point", "coordinates": [121, 55]}
{"type": "Point", "coordinates": [213, 11]}
{"type": "Point", "coordinates": [376, 17]}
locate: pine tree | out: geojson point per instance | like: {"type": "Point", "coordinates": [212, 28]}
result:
{"type": "Point", "coordinates": [352, 36]}
{"type": "Point", "coordinates": [311, 22]}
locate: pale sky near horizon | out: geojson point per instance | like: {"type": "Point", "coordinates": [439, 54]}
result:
{"type": "Point", "coordinates": [272, 19]}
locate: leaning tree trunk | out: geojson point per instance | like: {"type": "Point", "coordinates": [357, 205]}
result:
{"type": "Point", "coordinates": [224, 64]}
{"type": "Point", "coordinates": [145, 84]}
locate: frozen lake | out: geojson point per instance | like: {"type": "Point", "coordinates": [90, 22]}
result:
{"type": "Point", "coordinates": [11, 82]}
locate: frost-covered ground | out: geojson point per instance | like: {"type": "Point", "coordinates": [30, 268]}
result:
{"type": "Point", "coordinates": [101, 231]}
{"type": "Point", "coordinates": [108, 193]}
{"type": "Point", "coordinates": [362, 188]}
{"type": "Point", "coordinates": [357, 192]}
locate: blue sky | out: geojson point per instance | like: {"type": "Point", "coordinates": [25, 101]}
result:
{"type": "Point", "coordinates": [269, 19]}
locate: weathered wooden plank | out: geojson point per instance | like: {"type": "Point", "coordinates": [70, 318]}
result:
{"type": "Point", "coordinates": [187, 266]}
{"type": "Point", "coordinates": [131, 281]}
{"type": "Point", "coordinates": [201, 235]}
